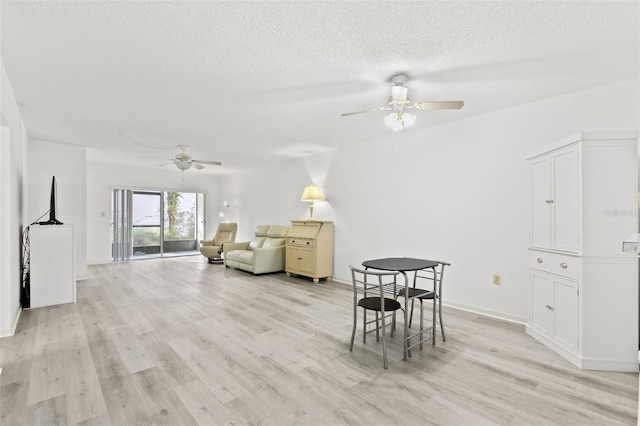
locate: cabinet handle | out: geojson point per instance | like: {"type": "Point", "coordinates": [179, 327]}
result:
{"type": "Point", "coordinates": [540, 260]}
{"type": "Point", "coordinates": [549, 201]}
{"type": "Point", "coordinates": [550, 307]}
{"type": "Point", "coordinates": [307, 242]}
{"type": "Point", "coordinates": [563, 265]}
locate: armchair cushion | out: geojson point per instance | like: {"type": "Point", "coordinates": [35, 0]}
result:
{"type": "Point", "coordinates": [264, 253]}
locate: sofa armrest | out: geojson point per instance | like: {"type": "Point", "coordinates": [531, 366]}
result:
{"type": "Point", "coordinates": [269, 259]}
{"type": "Point", "coordinates": [205, 243]}
{"type": "Point", "coordinates": [243, 245]}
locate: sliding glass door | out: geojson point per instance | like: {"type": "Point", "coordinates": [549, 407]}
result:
{"type": "Point", "coordinates": [155, 223]}
{"type": "Point", "coordinates": [145, 220]}
{"type": "Point", "coordinates": [180, 222]}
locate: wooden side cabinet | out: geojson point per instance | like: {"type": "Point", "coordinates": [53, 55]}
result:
{"type": "Point", "coordinates": [310, 249]}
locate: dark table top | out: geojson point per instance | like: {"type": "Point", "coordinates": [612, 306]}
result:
{"type": "Point", "coordinates": [399, 264]}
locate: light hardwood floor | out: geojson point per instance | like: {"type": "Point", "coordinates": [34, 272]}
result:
{"type": "Point", "coordinates": [179, 342]}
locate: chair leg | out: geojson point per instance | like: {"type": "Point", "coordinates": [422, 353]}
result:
{"type": "Point", "coordinates": [444, 339]}
{"type": "Point", "coordinates": [378, 326]}
{"type": "Point", "coordinates": [421, 323]}
{"type": "Point", "coordinates": [364, 326]}
{"type": "Point", "coordinates": [433, 323]}
{"type": "Point", "coordinates": [411, 315]}
{"type": "Point", "coordinates": [393, 323]}
{"type": "Point", "coordinates": [355, 321]}
{"type": "Point", "coordinates": [384, 341]}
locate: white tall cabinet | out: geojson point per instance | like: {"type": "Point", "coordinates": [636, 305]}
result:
{"type": "Point", "coordinates": [53, 270]}
{"type": "Point", "coordinates": [583, 290]}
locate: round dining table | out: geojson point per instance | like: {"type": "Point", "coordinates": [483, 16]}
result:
{"type": "Point", "coordinates": [404, 265]}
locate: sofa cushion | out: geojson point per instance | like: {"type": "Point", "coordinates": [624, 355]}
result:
{"type": "Point", "coordinates": [245, 257]}
{"type": "Point", "coordinates": [262, 231]}
{"type": "Point", "coordinates": [256, 242]}
{"type": "Point", "coordinates": [273, 242]}
{"type": "Point", "coordinates": [232, 255]}
{"type": "Point", "coordinates": [277, 231]}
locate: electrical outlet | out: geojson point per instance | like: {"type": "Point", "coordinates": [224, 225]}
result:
{"type": "Point", "coordinates": [496, 279]}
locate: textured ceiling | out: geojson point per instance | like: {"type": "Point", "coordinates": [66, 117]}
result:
{"type": "Point", "coordinates": [249, 82]}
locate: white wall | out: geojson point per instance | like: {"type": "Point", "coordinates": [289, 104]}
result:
{"type": "Point", "coordinates": [68, 163]}
{"type": "Point", "coordinates": [12, 163]}
{"type": "Point", "coordinates": [100, 179]}
{"type": "Point", "coordinates": [455, 192]}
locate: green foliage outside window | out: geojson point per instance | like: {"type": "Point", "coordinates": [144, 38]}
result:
{"type": "Point", "coordinates": [180, 222]}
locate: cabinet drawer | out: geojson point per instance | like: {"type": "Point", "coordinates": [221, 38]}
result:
{"type": "Point", "coordinates": [305, 242]}
{"type": "Point", "coordinates": [553, 263]}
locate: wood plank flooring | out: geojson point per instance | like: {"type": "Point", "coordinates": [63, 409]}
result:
{"type": "Point", "coordinates": [182, 342]}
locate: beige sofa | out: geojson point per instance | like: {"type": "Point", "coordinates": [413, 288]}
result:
{"type": "Point", "coordinates": [264, 253]}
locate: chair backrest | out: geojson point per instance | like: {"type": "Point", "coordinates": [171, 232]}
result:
{"type": "Point", "coordinates": [226, 232]}
{"type": "Point", "coordinates": [372, 283]}
{"type": "Point", "coordinates": [434, 275]}
{"type": "Point", "coordinates": [268, 236]}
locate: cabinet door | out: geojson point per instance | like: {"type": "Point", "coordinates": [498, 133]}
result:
{"type": "Point", "coordinates": [308, 260]}
{"type": "Point", "coordinates": [292, 262]}
{"type": "Point", "coordinates": [566, 314]}
{"type": "Point", "coordinates": [540, 200]}
{"type": "Point", "coordinates": [542, 301]}
{"type": "Point", "coordinates": [565, 192]}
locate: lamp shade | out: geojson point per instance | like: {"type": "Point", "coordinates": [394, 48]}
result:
{"type": "Point", "coordinates": [312, 193]}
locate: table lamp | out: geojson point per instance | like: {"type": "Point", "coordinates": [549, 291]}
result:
{"type": "Point", "coordinates": [311, 193]}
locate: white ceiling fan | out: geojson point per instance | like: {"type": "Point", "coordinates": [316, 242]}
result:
{"type": "Point", "coordinates": [399, 103]}
{"type": "Point", "coordinates": [183, 161]}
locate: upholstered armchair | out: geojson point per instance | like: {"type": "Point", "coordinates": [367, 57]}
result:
{"type": "Point", "coordinates": [264, 253]}
{"type": "Point", "coordinates": [212, 249]}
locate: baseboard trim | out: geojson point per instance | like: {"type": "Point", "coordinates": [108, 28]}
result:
{"type": "Point", "coordinates": [540, 337]}
{"type": "Point", "coordinates": [626, 366]}
{"type": "Point", "coordinates": [485, 312]}
{"type": "Point", "coordinates": [10, 332]}
{"type": "Point", "coordinates": [610, 365]}
{"type": "Point", "coordinates": [472, 309]}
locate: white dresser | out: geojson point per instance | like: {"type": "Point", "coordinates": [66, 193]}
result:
{"type": "Point", "coordinates": [583, 290]}
{"type": "Point", "coordinates": [53, 270]}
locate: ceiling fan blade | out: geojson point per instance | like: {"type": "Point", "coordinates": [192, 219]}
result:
{"type": "Point", "coordinates": [197, 166]}
{"type": "Point", "coordinates": [213, 163]}
{"type": "Point", "coordinates": [165, 164]}
{"type": "Point", "coordinates": [439, 105]}
{"type": "Point", "coordinates": [344, 114]}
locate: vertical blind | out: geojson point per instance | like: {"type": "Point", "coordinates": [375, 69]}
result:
{"type": "Point", "coordinates": [122, 249]}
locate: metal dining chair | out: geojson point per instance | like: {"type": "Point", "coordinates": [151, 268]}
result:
{"type": "Point", "coordinates": [370, 291]}
{"type": "Point", "coordinates": [433, 277]}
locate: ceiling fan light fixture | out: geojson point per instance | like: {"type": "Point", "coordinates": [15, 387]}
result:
{"type": "Point", "coordinates": [399, 120]}
{"type": "Point", "coordinates": [408, 119]}
{"type": "Point", "coordinates": [183, 165]}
